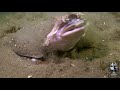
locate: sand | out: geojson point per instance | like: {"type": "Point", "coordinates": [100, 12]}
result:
{"type": "Point", "coordinates": [90, 58]}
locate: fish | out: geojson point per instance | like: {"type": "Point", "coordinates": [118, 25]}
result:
{"type": "Point", "coordinates": [56, 34]}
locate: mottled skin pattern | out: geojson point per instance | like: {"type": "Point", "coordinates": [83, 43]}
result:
{"type": "Point", "coordinates": [59, 34]}
{"type": "Point", "coordinates": [29, 40]}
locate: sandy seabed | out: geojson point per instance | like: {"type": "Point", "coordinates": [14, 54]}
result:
{"type": "Point", "coordinates": [103, 32]}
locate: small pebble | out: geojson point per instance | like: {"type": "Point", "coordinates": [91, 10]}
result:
{"type": "Point", "coordinates": [103, 40]}
{"type": "Point", "coordinates": [104, 76]}
{"type": "Point", "coordinates": [9, 41]}
{"type": "Point", "coordinates": [33, 59]}
{"type": "Point", "coordinates": [73, 65]}
{"type": "Point", "coordinates": [110, 54]}
{"type": "Point", "coordinates": [30, 76]}
{"type": "Point", "coordinates": [86, 58]}
{"type": "Point", "coordinates": [104, 23]}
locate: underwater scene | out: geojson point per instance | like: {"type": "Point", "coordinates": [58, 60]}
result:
{"type": "Point", "coordinates": [59, 44]}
